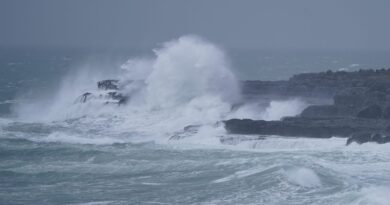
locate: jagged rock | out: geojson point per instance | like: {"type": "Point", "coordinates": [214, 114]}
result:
{"type": "Point", "coordinates": [108, 85]}
{"type": "Point", "coordinates": [109, 93]}
{"type": "Point", "coordinates": [106, 98]}
{"type": "Point", "coordinates": [361, 107]}
{"type": "Point", "coordinates": [373, 112]}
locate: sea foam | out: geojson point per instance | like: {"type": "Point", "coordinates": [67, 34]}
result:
{"type": "Point", "coordinates": [188, 81]}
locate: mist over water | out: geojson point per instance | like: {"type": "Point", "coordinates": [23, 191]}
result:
{"type": "Point", "coordinates": [166, 144]}
{"type": "Point", "coordinates": [187, 82]}
{"type": "Point", "coordinates": [189, 68]}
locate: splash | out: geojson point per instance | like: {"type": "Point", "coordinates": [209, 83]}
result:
{"type": "Point", "coordinates": [279, 109]}
{"type": "Point", "coordinates": [374, 195]}
{"type": "Point", "coordinates": [187, 82]}
{"type": "Point", "coordinates": [183, 70]}
{"type": "Point", "coordinates": [304, 177]}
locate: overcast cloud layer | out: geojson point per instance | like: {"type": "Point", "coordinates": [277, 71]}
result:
{"type": "Point", "coordinates": [264, 24]}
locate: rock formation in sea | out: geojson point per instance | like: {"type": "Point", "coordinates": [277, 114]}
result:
{"type": "Point", "coordinates": [109, 92]}
{"type": "Point", "coordinates": [360, 110]}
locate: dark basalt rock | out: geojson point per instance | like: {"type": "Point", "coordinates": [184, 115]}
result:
{"type": "Point", "coordinates": [109, 98]}
{"type": "Point", "coordinates": [386, 112]}
{"type": "Point", "coordinates": [108, 85]}
{"type": "Point", "coordinates": [323, 84]}
{"type": "Point", "coordinates": [360, 112]}
{"type": "Point", "coordinates": [111, 93]}
{"type": "Point", "coordinates": [306, 127]}
{"type": "Point", "coordinates": [351, 97]}
{"type": "Point", "coordinates": [373, 112]}
{"type": "Point", "coordinates": [318, 111]}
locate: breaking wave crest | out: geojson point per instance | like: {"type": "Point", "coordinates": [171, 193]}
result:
{"type": "Point", "coordinates": [187, 85]}
{"type": "Point", "coordinates": [180, 96]}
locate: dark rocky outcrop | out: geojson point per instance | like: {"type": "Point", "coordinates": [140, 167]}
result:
{"type": "Point", "coordinates": [358, 102]}
{"type": "Point", "coordinates": [109, 93]}
{"type": "Point", "coordinates": [386, 112]}
{"type": "Point", "coordinates": [307, 127]}
{"type": "Point", "coordinates": [108, 84]}
{"type": "Point", "coordinates": [320, 111]}
{"type": "Point", "coordinates": [360, 112]}
{"type": "Point", "coordinates": [326, 84]}
{"type": "Point", "coordinates": [372, 111]}
{"type": "Point", "coordinates": [358, 106]}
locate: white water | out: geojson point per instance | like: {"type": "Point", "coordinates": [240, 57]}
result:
{"type": "Point", "coordinates": [189, 82]}
{"type": "Point", "coordinates": [303, 177]}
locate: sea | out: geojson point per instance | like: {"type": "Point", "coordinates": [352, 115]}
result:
{"type": "Point", "coordinates": [168, 145]}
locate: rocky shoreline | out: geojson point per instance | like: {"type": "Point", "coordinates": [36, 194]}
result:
{"type": "Point", "coordinates": [360, 109]}
{"type": "Point", "coordinates": [357, 105]}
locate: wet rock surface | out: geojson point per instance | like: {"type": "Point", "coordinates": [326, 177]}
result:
{"type": "Point", "coordinates": [108, 92]}
{"type": "Point", "coordinates": [307, 127]}
{"type": "Point", "coordinates": [108, 84]}
{"type": "Point", "coordinates": [360, 109]}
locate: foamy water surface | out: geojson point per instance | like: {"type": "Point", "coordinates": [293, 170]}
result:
{"type": "Point", "coordinates": [56, 151]}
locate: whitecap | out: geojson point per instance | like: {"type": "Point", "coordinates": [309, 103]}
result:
{"type": "Point", "coordinates": [302, 176]}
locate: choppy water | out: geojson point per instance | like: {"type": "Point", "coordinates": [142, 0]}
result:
{"type": "Point", "coordinates": [53, 152]}
{"type": "Point", "coordinates": [39, 167]}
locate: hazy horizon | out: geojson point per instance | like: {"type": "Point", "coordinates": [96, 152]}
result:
{"type": "Point", "coordinates": [260, 25]}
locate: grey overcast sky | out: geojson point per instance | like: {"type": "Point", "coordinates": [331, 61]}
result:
{"type": "Point", "coordinates": [262, 24]}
